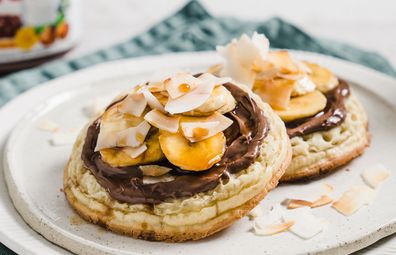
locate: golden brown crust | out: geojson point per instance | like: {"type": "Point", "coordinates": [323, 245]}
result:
{"type": "Point", "coordinates": [332, 164]}
{"type": "Point", "coordinates": [222, 221]}
{"type": "Point", "coordinates": [323, 152]}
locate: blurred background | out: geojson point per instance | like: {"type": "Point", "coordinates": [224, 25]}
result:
{"type": "Point", "coordinates": [367, 24]}
{"type": "Point", "coordinates": [363, 23]}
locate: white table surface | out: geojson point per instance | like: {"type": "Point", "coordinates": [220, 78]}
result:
{"type": "Point", "coordinates": [364, 23]}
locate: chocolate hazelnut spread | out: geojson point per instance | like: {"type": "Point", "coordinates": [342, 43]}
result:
{"type": "Point", "coordinates": [243, 140]}
{"type": "Point", "coordinates": [331, 116]}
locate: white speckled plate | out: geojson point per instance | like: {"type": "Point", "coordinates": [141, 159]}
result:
{"type": "Point", "coordinates": [33, 169]}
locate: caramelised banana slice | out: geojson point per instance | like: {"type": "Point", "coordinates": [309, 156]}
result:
{"type": "Point", "coordinates": [195, 156]}
{"type": "Point", "coordinates": [324, 79]}
{"type": "Point", "coordinates": [303, 106]}
{"type": "Point", "coordinates": [117, 157]}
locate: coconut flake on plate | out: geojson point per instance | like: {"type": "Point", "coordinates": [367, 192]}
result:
{"type": "Point", "coordinates": [162, 121]}
{"type": "Point", "coordinates": [181, 84]}
{"type": "Point", "coordinates": [270, 222]}
{"type": "Point", "coordinates": [61, 138]}
{"type": "Point", "coordinates": [375, 175]}
{"type": "Point", "coordinates": [196, 131]}
{"type": "Point", "coordinates": [353, 199]}
{"type": "Point", "coordinates": [135, 152]}
{"type": "Point", "coordinates": [274, 228]}
{"type": "Point", "coordinates": [297, 203]}
{"type": "Point", "coordinates": [133, 104]}
{"type": "Point", "coordinates": [154, 170]}
{"type": "Point", "coordinates": [306, 225]}
{"type": "Point", "coordinates": [48, 125]}
{"type": "Point", "coordinates": [255, 213]}
{"type": "Point", "coordinates": [152, 101]}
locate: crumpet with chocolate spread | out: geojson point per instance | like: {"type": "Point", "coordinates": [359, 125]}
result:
{"type": "Point", "coordinates": [327, 125]}
{"type": "Point", "coordinates": [176, 160]}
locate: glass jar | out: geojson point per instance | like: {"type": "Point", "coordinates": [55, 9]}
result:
{"type": "Point", "coordinates": [33, 31]}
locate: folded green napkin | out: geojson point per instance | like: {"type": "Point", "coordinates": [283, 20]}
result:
{"type": "Point", "coordinates": [190, 29]}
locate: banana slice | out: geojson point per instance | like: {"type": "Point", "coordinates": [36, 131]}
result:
{"type": "Point", "coordinates": [324, 79]}
{"type": "Point", "coordinates": [303, 106]}
{"type": "Point", "coordinates": [220, 100]}
{"type": "Point", "coordinates": [196, 156]}
{"type": "Point", "coordinates": [116, 157]}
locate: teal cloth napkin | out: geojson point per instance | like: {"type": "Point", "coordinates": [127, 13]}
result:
{"type": "Point", "coordinates": [191, 29]}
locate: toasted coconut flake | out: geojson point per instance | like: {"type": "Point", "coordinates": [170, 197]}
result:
{"type": "Point", "coordinates": [212, 80]}
{"type": "Point", "coordinates": [303, 86]}
{"type": "Point", "coordinates": [156, 86]}
{"type": "Point", "coordinates": [154, 170]}
{"type": "Point", "coordinates": [323, 200]}
{"type": "Point", "coordinates": [277, 93]}
{"type": "Point", "coordinates": [297, 203]}
{"type": "Point", "coordinates": [133, 136]}
{"type": "Point", "coordinates": [205, 127]}
{"type": "Point", "coordinates": [271, 217]}
{"type": "Point", "coordinates": [273, 229]}
{"type": "Point", "coordinates": [133, 104]}
{"type": "Point", "coordinates": [353, 199]}
{"type": "Point", "coordinates": [48, 125]}
{"type": "Point", "coordinates": [375, 175]}
{"type": "Point", "coordinates": [306, 225]}
{"type": "Point", "coordinates": [162, 121]}
{"type": "Point", "coordinates": [255, 213]}
{"type": "Point", "coordinates": [243, 56]}
{"type": "Point", "coordinates": [190, 100]}
{"type": "Point", "coordinates": [61, 138]}
{"type": "Point", "coordinates": [283, 61]}
{"type": "Point", "coordinates": [113, 134]}
{"type": "Point", "coordinates": [152, 101]}
{"type": "Point", "coordinates": [134, 152]}
{"type": "Point", "coordinates": [181, 84]}
{"type": "Point", "coordinates": [152, 179]}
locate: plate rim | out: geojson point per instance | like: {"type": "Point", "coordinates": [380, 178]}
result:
{"type": "Point", "coordinates": [84, 75]}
